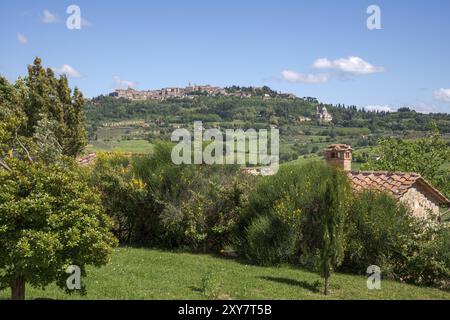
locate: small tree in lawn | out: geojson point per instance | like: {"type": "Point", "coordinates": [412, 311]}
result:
{"type": "Point", "coordinates": [324, 234]}
{"type": "Point", "coordinates": [49, 219]}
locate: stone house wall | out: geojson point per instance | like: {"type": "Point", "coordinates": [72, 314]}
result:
{"type": "Point", "coordinates": [421, 204]}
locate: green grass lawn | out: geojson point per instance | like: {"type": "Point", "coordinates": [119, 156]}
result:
{"type": "Point", "coordinates": [152, 274]}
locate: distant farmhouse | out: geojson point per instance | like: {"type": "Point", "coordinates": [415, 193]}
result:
{"type": "Point", "coordinates": [411, 189]}
{"type": "Point", "coordinates": [304, 119]}
{"type": "Point", "coordinates": [189, 91]}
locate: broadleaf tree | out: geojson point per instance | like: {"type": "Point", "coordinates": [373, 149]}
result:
{"type": "Point", "coordinates": [50, 217]}
{"type": "Point", "coordinates": [427, 156]}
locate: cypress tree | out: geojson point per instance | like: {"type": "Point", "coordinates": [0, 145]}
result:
{"type": "Point", "coordinates": [76, 133]}
{"type": "Point", "coordinates": [56, 108]}
{"type": "Point", "coordinates": [323, 226]}
{"type": "Point", "coordinates": [38, 100]}
{"type": "Point", "coordinates": [50, 100]}
{"type": "Point", "coordinates": [332, 218]}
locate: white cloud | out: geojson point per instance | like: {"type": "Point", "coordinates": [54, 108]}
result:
{"type": "Point", "coordinates": [351, 65]}
{"type": "Point", "coordinates": [295, 77]}
{"type": "Point", "coordinates": [120, 83]}
{"type": "Point", "coordinates": [22, 39]}
{"type": "Point", "coordinates": [68, 71]}
{"type": "Point", "coordinates": [377, 107]}
{"type": "Point", "coordinates": [322, 63]}
{"type": "Point", "coordinates": [48, 17]}
{"type": "Point", "coordinates": [442, 94]}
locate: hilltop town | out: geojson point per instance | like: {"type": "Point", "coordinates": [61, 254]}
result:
{"type": "Point", "coordinates": [197, 90]}
{"type": "Point", "coordinates": [322, 115]}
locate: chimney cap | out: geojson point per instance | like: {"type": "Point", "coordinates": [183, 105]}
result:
{"type": "Point", "coordinates": [339, 147]}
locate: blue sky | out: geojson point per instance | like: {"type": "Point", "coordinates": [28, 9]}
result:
{"type": "Point", "coordinates": [311, 48]}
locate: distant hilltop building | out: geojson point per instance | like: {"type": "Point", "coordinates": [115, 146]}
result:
{"type": "Point", "coordinates": [166, 93]}
{"type": "Point", "coordinates": [323, 116]}
{"type": "Point", "coordinates": [210, 90]}
{"type": "Point", "coordinates": [194, 90]}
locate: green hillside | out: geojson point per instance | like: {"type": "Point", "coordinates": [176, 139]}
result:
{"type": "Point", "coordinates": [123, 125]}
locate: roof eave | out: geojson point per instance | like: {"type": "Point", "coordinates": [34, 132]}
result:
{"type": "Point", "coordinates": [439, 196]}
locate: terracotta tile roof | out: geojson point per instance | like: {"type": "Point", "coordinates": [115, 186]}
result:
{"type": "Point", "coordinates": [338, 147]}
{"type": "Point", "coordinates": [395, 183]}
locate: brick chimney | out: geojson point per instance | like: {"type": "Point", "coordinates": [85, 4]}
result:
{"type": "Point", "coordinates": [339, 155]}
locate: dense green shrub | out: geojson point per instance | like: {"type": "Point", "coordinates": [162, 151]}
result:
{"type": "Point", "coordinates": [126, 199]}
{"type": "Point", "coordinates": [203, 212]}
{"type": "Point", "coordinates": [291, 201]}
{"type": "Point", "coordinates": [378, 232]}
{"type": "Point", "coordinates": [382, 232]}
{"type": "Point", "coordinates": [157, 203]}
{"type": "Point", "coordinates": [428, 258]}
{"type": "Point", "coordinates": [270, 241]}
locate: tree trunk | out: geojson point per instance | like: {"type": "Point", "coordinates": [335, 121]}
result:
{"type": "Point", "coordinates": [326, 289]}
{"type": "Point", "coordinates": [18, 289]}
